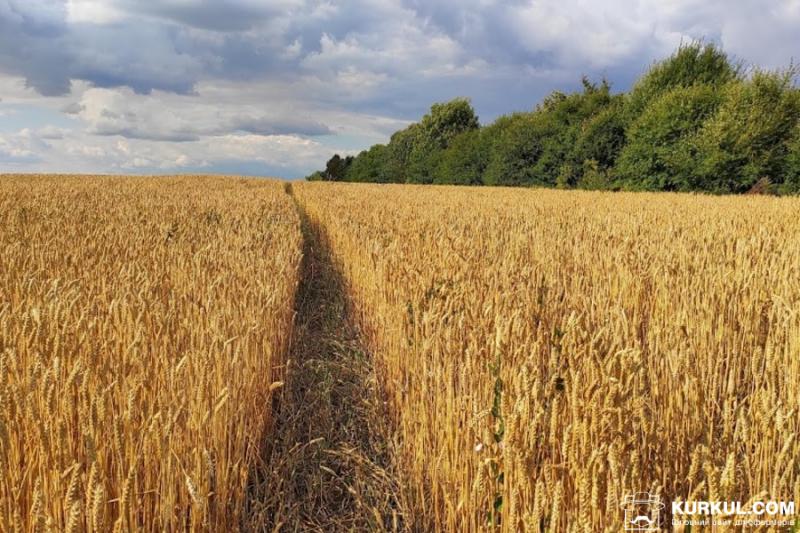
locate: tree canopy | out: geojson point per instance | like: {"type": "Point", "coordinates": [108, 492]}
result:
{"type": "Point", "coordinates": [696, 121]}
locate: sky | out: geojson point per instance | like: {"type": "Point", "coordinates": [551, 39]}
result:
{"type": "Point", "coordinates": [275, 87]}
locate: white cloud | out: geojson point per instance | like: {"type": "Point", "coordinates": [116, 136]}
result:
{"type": "Point", "coordinates": [180, 118]}
{"type": "Point", "coordinates": [598, 35]}
{"type": "Point", "coordinates": [92, 11]}
{"type": "Point", "coordinates": [105, 154]}
{"type": "Point", "coordinates": [22, 147]}
{"type": "Point", "coordinates": [400, 50]}
{"type": "Point", "coordinates": [13, 88]}
{"type": "Point", "coordinates": [224, 126]}
{"type": "Point", "coordinates": [52, 132]}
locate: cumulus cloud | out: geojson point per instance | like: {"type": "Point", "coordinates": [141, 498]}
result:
{"type": "Point", "coordinates": [190, 83]}
{"type": "Point", "coordinates": [165, 117]}
{"type": "Point", "coordinates": [171, 45]}
{"type": "Point", "coordinates": [23, 147]}
{"type": "Point", "coordinates": [51, 132]}
{"type": "Point", "coordinates": [232, 15]}
{"type": "Point", "coordinates": [249, 153]}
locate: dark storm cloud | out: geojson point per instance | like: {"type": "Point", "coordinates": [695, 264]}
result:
{"type": "Point", "coordinates": [257, 126]}
{"type": "Point", "coordinates": [31, 45]}
{"type": "Point", "coordinates": [39, 44]}
{"type": "Point", "coordinates": [278, 126]}
{"type": "Point", "coordinates": [230, 16]}
{"type": "Point", "coordinates": [130, 132]}
{"type": "Point", "coordinates": [170, 45]}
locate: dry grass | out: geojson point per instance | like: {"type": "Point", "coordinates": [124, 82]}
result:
{"type": "Point", "coordinates": [142, 324]}
{"type": "Point", "coordinates": [545, 353]}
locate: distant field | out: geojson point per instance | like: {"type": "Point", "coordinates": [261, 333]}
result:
{"type": "Point", "coordinates": [542, 354]}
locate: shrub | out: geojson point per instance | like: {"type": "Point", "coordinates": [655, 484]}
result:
{"type": "Point", "coordinates": [594, 177]}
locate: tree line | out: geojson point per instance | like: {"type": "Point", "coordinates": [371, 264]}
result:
{"type": "Point", "coordinates": [696, 121]}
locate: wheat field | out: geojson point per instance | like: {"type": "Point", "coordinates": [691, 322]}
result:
{"type": "Point", "coordinates": [143, 325]}
{"type": "Point", "coordinates": [537, 354]}
{"type": "Point", "coordinates": [546, 352]}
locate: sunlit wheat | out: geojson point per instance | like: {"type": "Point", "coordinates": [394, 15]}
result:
{"type": "Point", "coordinates": [142, 323]}
{"type": "Point", "coordinates": [546, 353]}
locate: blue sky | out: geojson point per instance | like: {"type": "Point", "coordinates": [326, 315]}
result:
{"type": "Point", "coordinates": [275, 87]}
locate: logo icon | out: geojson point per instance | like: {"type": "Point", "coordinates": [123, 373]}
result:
{"type": "Point", "coordinates": [642, 512]}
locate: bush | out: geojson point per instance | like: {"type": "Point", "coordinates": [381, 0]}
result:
{"type": "Point", "coordinates": [594, 177]}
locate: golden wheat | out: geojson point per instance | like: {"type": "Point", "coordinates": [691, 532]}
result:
{"type": "Point", "coordinates": [545, 353]}
{"type": "Point", "coordinates": [142, 323]}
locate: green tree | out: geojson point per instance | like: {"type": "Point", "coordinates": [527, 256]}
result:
{"type": "Point", "coordinates": [602, 137]}
{"type": "Point", "coordinates": [514, 145]}
{"type": "Point", "coordinates": [692, 64]}
{"type": "Point", "coordinates": [464, 160]}
{"type": "Point", "coordinates": [691, 122]}
{"type": "Point", "coordinates": [748, 138]}
{"type": "Point", "coordinates": [562, 119]}
{"type": "Point", "coordinates": [398, 153]}
{"type": "Point", "coordinates": [337, 167]}
{"type": "Point", "coordinates": [433, 135]}
{"type": "Point", "coordinates": [369, 166]}
{"type": "Point", "coordinates": [655, 153]}
{"type": "Point", "coordinates": [791, 171]}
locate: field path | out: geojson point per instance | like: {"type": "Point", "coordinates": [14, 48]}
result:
{"type": "Point", "coordinates": [329, 467]}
